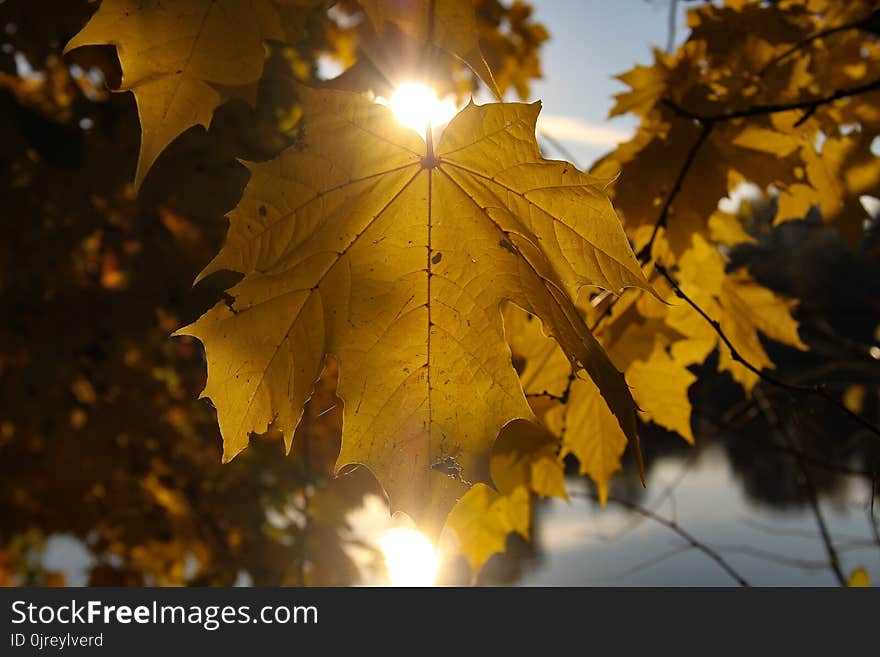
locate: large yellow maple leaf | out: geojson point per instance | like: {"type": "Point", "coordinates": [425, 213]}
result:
{"type": "Point", "coordinates": [363, 243]}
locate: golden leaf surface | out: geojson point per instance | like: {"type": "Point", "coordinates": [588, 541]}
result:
{"type": "Point", "coordinates": [483, 518]}
{"type": "Point", "coordinates": [584, 424]}
{"type": "Point", "coordinates": [525, 455]}
{"type": "Point", "coordinates": [362, 243]}
{"type": "Point", "coordinates": [524, 461]}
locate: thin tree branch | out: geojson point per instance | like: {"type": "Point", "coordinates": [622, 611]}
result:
{"type": "Point", "coordinates": [666, 494]}
{"type": "Point", "coordinates": [644, 255]}
{"type": "Point", "coordinates": [791, 441]}
{"type": "Point", "coordinates": [803, 43]}
{"type": "Point", "coordinates": [817, 390]}
{"type": "Point", "coordinates": [760, 110]}
{"type": "Point", "coordinates": [647, 563]}
{"type": "Point", "coordinates": [854, 542]}
{"type": "Point", "coordinates": [792, 562]}
{"type": "Point", "coordinates": [872, 518]}
{"type": "Point", "coordinates": [678, 529]}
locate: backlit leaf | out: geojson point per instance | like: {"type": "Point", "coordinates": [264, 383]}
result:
{"type": "Point", "coordinates": [359, 243]}
{"type": "Point", "coordinates": [483, 518]}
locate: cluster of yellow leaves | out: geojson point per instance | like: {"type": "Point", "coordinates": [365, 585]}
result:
{"type": "Point", "coordinates": [816, 156]}
{"type": "Point", "coordinates": [364, 243]}
{"type": "Point", "coordinates": [786, 53]}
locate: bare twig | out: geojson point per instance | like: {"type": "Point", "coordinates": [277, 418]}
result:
{"type": "Point", "coordinates": [677, 529]}
{"type": "Point", "coordinates": [647, 563]}
{"type": "Point", "coordinates": [666, 494]}
{"type": "Point", "coordinates": [783, 560]}
{"type": "Point", "coordinates": [803, 43]}
{"type": "Point", "coordinates": [775, 530]}
{"type": "Point", "coordinates": [791, 440]}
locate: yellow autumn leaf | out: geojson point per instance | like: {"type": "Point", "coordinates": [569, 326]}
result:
{"type": "Point", "coordinates": [727, 228]}
{"type": "Point", "coordinates": [590, 432]}
{"type": "Point", "coordinates": [767, 140]}
{"type": "Point", "coordinates": [448, 24]}
{"type": "Point", "coordinates": [854, 397]}
{"type": "Point", "coordinates": [524, 459]}
{"type": "Point", "coordinates": [660, 385]}
{"type": "Point", "coordinates": [647, 85]}
{"type": "Point", "coordinates": [176, 57]}
{"type": "Point", "coordinates": [363, 243]}
{"type": "Point", "coordinates": [859, 578]}
{"type": "Point", "coordinates": [483, 518]}
{"type": "Point", "coordinates": [525, 454]}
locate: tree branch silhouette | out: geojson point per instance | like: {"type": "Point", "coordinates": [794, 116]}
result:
{"type": "Point", "coordinates": [644, 255]}
{"type": "Point", "coordinates": [791, 441]}
{"type": "Point", "coordinates": [673, 526]}
{"type": "Point", "coordinates": [761, 110]}
{"type": "Point", "coordinates": [862, 23]}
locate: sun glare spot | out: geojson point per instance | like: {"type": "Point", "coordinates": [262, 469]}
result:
{"type": "Point", "coordinates": [410, 557]}
{"type": "Point", "coordinates": [415, 105]}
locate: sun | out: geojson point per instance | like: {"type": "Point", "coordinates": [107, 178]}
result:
{"type": "Point", "coordinates": [415, 105]}
{"type": "Point", "coordinates": [410, 557]}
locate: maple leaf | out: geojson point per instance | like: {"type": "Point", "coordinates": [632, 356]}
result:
{"type": "Point", "coordinates": [589, 432]}
{"type": "Point", "coordinates": [663, 384]}
{"type": "Point", "coordinates": [483, 518]}
{"type": "Point", "coordinates": [524, 461]}
{"type": "Point", "coordinates": [525, 455]}
{"type": "Point", "coordinates": [181, 59]}
{"type": "Point", "coordinates": [363, 243]}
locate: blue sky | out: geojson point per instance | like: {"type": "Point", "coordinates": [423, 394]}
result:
{"type": "Point", "coordinates": [591, 42]}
